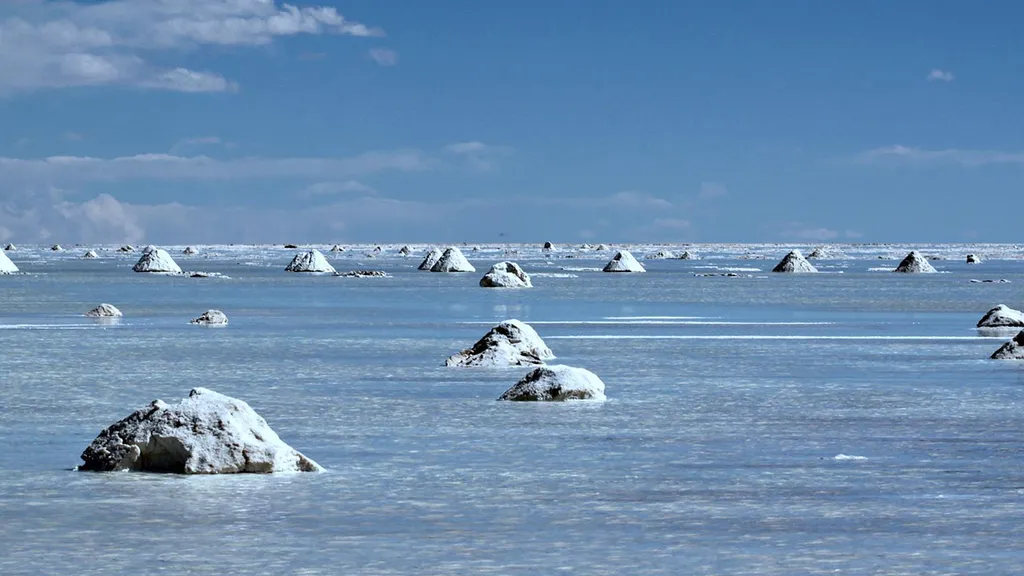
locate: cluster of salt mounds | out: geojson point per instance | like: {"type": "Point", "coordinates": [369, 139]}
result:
{"type": "Point", "coordinates": [661, 255]}
{"type": "Point", "coordinates": [431, 258]}
{"type": "Point", "coordinates": [206, 433]}
{"type": "Point", "coordinates": [90, 254]}
{"type": "Point", "coordinates": [510, 343]}
{"type": "Point", "coordinates": [623, 261]}
{"type": "Point", "coordinates": [190, 251]}
{"type": "Point", "coordinates": [452, 260]}
{"type": "Point", "coordinates": [1012, 350]}
{"type": "Point", "coordinates": [506, 275]}
{"type": "Point", "coordinates": [156, 260]}
{"type": "Point", "coordinates": [6, 266]}
{"type": "Point", "coordinates": [973, 259]}
{"type": "Point", "coordinates": [915, 263]}
{"type": "Point", "coordinates": [556, 383]}
{"type": "Point", "coordinates": [104, 311]}
{"type": "Point", "coordinates": [312, 261]}
{"type": "Point", "coordinates": [1002, 316]}
{"type": "Point", "coordinates": [794, 263]}
{"type": "Point", "coordinates": [211, 318]}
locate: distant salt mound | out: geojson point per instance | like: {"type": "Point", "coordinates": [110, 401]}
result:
{"type": "Point", "coordinates": [190, 251]}
{"type": "Point", "coordinates": [432, 257]}
{"type": "Point", "coordinates": [661, 255]}
{"type": "Point", "coordinates": [6, 266]}
{"type": "Point", "coordinates": [337, 248]}
{"type": "Point", "coordinates": [506, 275]}
{"type": "Point", "coordinates": [1012, 350]}
{"type": "Point", "coordinates": [688, 256]}
{"type": "Point", "coordinates": [824, 253]}
{"type": "Point", "coordinates": [148, 249]}
{"type": "Point", "coordinates": [794, 263]}
{"type": "Point", "coordinates": [291, 246]}
{"type": "Point", "coordinates": [914, 263]}
{"type": "Point", "coordinates": [973, 259]}
{"type": "Point", "coordinates": [10, 248]}
{"type": "Point", "coordinates": [206, 433]}
{"type": "Point", "coordinates": [363, 274]}
{"type": "Point", "coordinates": [1002, 316]}
{"type": "Point", "coordinates": [452, 260]}
{"type": "Point", "coordinates": [157, 260]}
{"type": "Point", "coordinates": [510, 343]}
{"type": "Point", "coordinates": [623, 261]}
{"type": "Point", "coordinates": [104, 311]}
{"type": "Point", "coordinates": [89, 254]}
{"type": "Point", "coordinates": [601, 247]}
{"type": "Point", "coordinates": [57, 248]}
{"type": "Point", "coordinates": [126, 248]}
{"type": "Point", "coordinates": [556, 383]}
{"type": "Point", "coordinates": [312, 261]}
{"type": "Point", "coordinates": [211, 318]}
{"type": "Point", "coordinates": [405, 251]}
{"type": "Point", "coordinates": [548, 246]}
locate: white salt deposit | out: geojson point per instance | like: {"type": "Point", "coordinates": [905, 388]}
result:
{"type": "Point", "coordinates": [206, 433]}
{"type": "Point", "coordinates": [548, 246]}
{"type": "Point", "coordinates": [556, 383]}
{"type": "Point", "coordinates": [432, 257]}
{"type": "Point", "coordinates": [1002, 316]}
{"type": "Point", "coordinates": [623, 261]}
{"type": "Point", "coordinates": [126, 248]}
{"type": "Point", "coordinates": [57, 248]}
{"type": "Point", "coordinates": [190, 251]}
{"type": "Point", "coordinates": [337, 248]}
{"type": "Point", "coordinates": [915, 263]}
{"type": "Point", "coordinates": [104, 311]}
{"type": "Point", "coordinates": [211, 318]}
{"type": "Point", "coordinates": [686, 255]}
{"type": "Point", "coordinates": [148, 249]}
{"type": "Point", "coordinates": [510, 343]}
{"type": "Point", "coordinates": [312, 261]}
{"type": "Point", "coordinates": [506, 275]}
{"type": "Point", "coordinates": [6, 266]}
{"type": "Point", "coordinates": [452, 260]}
{"type": "Point", "coordinates": [973, 259]}
{"type": "Point", "coordinates": [10, 247]}
{"type": "Point", "coordinates": [794, 263]}
{"type": "Point", "coordinates": [661, 255]}
{"type": "Point", "coordinates": [363, 274]}
{"type": "Point", "coordinates": [157, 260]}
{"type": "Point", "coordinates": [848, 457]}
{"type": "Point", "coordinates": [405, 251]}
{"type": "Point", "coordinates": [90, 254]}
{"type": "Point", "coordinates": [1012, 350]}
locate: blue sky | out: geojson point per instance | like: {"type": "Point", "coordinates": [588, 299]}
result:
{"type": "Point", "coordinates": [254, 121]}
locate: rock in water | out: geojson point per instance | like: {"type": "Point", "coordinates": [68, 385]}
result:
{"type": "Point", "coordinates": [973, 259]}
{"type": "Point", "coordinates": [190, 251]}
{"type": "Point", "coordinates": [10, 247]}
{"type": "Point", "coordinates": [1012, 350]}
{"type": "Point", "coordinates": [452, 260]}
{"type": "Point", "coordinates": [6, 266]}
{"type": "Point", "coordinates": [511, 343]}
{"type": "Point", "coordinates": [623, 261]}
{"type": "Point", "coordinates": [90, 254]}
{"type": "Point", "coordinates": [211, 318]}
{"type": "Point", "coordinates": [1001, 316]}
{"type": "Point", "coordinates": [104, 311]}
{"type": "Point", "coordinates": [795, 263]}
{"type": "Point", "coordinates": [432, 257]}
{"type": "Point", "coordinates": [312, 261]}
{"type": "Point", "coordinates": [914, 263]}
{"type": "Point", "coordinates": [556, 383]}
{"type": "Point", "coordinates": [506, 275]}
{"type": "Point", "coordinates": [206, 433]}
{"type": "Point", "coordinates": [156, 260]}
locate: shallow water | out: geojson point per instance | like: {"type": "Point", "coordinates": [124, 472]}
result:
{"type": "Point", "coordinates": [772, 424]}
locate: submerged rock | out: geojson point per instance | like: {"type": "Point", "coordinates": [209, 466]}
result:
{"type": "Point", "coordinates": [510, 343]}
{"type": "Point", "coordinates": [364, 274]}
{"type": "Point", "coordinates": [973, 259]}
{"type": "Point", "coordinates": [506, 275]}
{"type": "Point", "coordinates": [190, 251]}
{"type": "Point", "coordinates": [452, 260]}
{"type": "Point", "coordinates": [6, 266]}
{"type": "Point", "coordinates": [432, 257]}
{"type": "Point", "coordinates": [914, 263]}
{"type": "Point", "coordinates": [1002, 316]}
{"type": "Point", "coordinates": [556, 383]}
{"type": "Point", "coordinates": [206, 433]}
{"type": "Point", "coordinates": [661, 255]}
{"type": "Point", "coordinates": [90, 254]}
{"type": "Point", "coordinates": [312, 261]}
{"type": "Point", "coordinates": [795, 263]}
{"type": "Point", "coordinates": [211, 318]}
{"type": "Point", "coordinates": [623, 261]}
{"type": "Point", "coordinates": [104, 311]}
{"type": "Point", "coordinates": [156, 260]}
{"type": "Point", "coordinates": [1012, 350]}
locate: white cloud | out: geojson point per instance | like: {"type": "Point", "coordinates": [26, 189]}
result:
{"type": "Point", "coordinates": [941, 75]}
{"type": "Point", "coordinates": [710, 190]}
{"type": "Point", "coordinates": [903, 155]}
{"type": "Point", "coordinates": [384, 56]}
{"type": "Point", "coordinates": [331, 188]}
{"type": "Point", "coordinates": [479, 156]}
{"type": "Point", "coordinates": [64, 44]}
{"type": "Point", "coordinates": [635, 199]}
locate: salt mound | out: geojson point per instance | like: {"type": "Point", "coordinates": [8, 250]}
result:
{"type": "Point", "coordinates": [6, 266]}
{"type": "Point", "coordinates": [688, 256]}
{"type": "Point", "coordinates": [57, 248]}
{"type": "Point", "coordinates": [510, 343]}
{"type": "Point", "coordinates": [452, 260]}
{"type": "Point", "coordinates": [556, 384]}
{"type": "Point", "coordinates": [823, 253]}
{"type": "Point", "coordinates": [10, 247]}
{"type": "Point", "coordinates": [104, 311]}
{"type": "Point", "coordinates": [548, 246]}
{"type": "Point", "coordinates": [1001, 316]}
{"type": "Point", "coordinates": [1012, 350]}
{"type": "Point", "coordinates": [794, 262]}
{"type": "Point", "coordinates": [90, 254]}
{"type": "Point", "coordinates": [973, 259]}
{"type": "Point", "coordinates": [206, 433]}
{"type": "Point", "coordinates": [623, 261]}
{"type": "Point", "coordinates": [126, 248]}
{"type": "Point", "coordinates": [312, 261]}
{"type": "Point", "coordinates": [432, 257]}
{"type": "Point", "coordinates": [506, 275]}
{"type": "Point", "coordinates": [914, 263]}
{"type": "Point", "coordinates": [211, 318]}
{"type": "Point", "coordinates": [290, 246]}
{"type": "Point", "coordinates": [190, 251]}
{"type": "Point", "coordinates": [601, 247]}
{"type": "Point", "coordinates": [661, 255]}
{"type": "Point", "coordinates": [156, 260]}
{"type": "Point", "coordinates": [148, 249]}
{"type": "Point", "coordinates": [405, 251]}
{"type": "Point", "coordinates": [337, 248]}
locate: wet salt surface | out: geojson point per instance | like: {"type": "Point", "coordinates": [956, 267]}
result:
{"type": "Point", "coordinates": [772, 425]}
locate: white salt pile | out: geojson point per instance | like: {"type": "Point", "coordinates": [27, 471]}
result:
{"type": "Point", "coordinates": [57, 248]}
{"type": "Point", "coordinates": [148, 249]}
{"type": "Point", "coordinates": [312, 261]}
{"type": "Point", "coordinates": [794, 263]}
{"type": "Point", "coordinates": [556, 383]}
{"type": "Point", "coordinates": [206, 433]}
{"type": "Point", "coordinates": [405, 251]}
{"type": "Point", "coordinates": [688, 256]}
{"type": "Point", "coordinates": [1002, 316]}
{"type": "Point", "coordinates": [104, 311]}
{"type": "Point", "coordinates": [363, 274]}
{"type": "Point", "coordinates": [190, 251]}
{"type": "Point", "coordinates": [510, 343]}
{"type": "Point", "coordinates": [10, 247]}
{"type": "Point", "coordinates": [6, 266]}
{"type": "Point", "coordinates": [90, 254]}
{"type": "Point", "coordinates": [337, 248]}
{"type": "Point", "coordinates": [157, 260]}
{"type": "Point", "coordinates": [548, 246]}
{"type": "Point", "coordinates": [432, 257]}
{"type": "Point", "coordinates": [623, 261]}
{"type": "Point", "coordinates": [506, 275]}
{"type": "Point", "coordinates": [914, 263]}
{"type": "Point", "coordinates": [973, 259]}
{"type": "Point", "coordinates": [1012, 350]}
{"type": "Point", "coordinates": [211, 318]}
{"type": "Point", "coordinates": [452, 260]}
{"type": "Point", "coordinates": [126, 248]}
{"type": "Point", "coordinates": [661, 255]}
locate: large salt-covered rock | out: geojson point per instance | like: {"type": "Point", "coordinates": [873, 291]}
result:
{"type": "Point", "coordinates": [312, 261]}
{"type": "Point", "coordinates": [510, 343]}
{"type": "Point", "coordinates": [623, 261]}
{"type": "Point", "coordinates": [795, 263]}
{"type": "Point", "coordinates": [211, 318]}
{"type": "Point", "coordinates": [1002, 316]}
{"type": "Point", "coordinates": [452, 260]}
{"type": "Point", "coordinates": [90, 254]}
{"type": "Point", "coordinates": [6, 266]}
{"type": "Point", "coordinates": [104, 311]}
{"type": "Point", "coordinates": [190, 251]}
{"type": "Point", "coordinates": [156, 260]}
{"type": "Point", "coordinates": [206, 433]}
{"type": "Point", "coordinates": [556, 383]}
{"type": "Point", "coordinates": [973, 259]}
{"type": "Point", "coordinates": [431, 258]}
{"type": "Point", "coordinates": [506, 275]}
{"type": "Point", "coordinates": [915, 263]}
{"type": "Point", "coordinates": [1012, 350]}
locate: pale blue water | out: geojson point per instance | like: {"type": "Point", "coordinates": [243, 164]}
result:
{"type": "Point", "coordinates": [715, 453]}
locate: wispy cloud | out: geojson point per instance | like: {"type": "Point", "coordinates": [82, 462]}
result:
{"type": "Point", "coordinates": [897, 155]}
{"type": "Point", "coordinates": [940, 75]}
{"type": "Point", "coordinates": [72, 137]}
{"type": "Point", "coordinates": [636, 199]}
{"type": "Point", "coordinates": [193, 143]}
{"type": "Point", "coordinates": [384, 56]}
{"type": "Point", "coordinates": [482, 157]}
{"type": "Point", "coordinates": [333, 188]}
